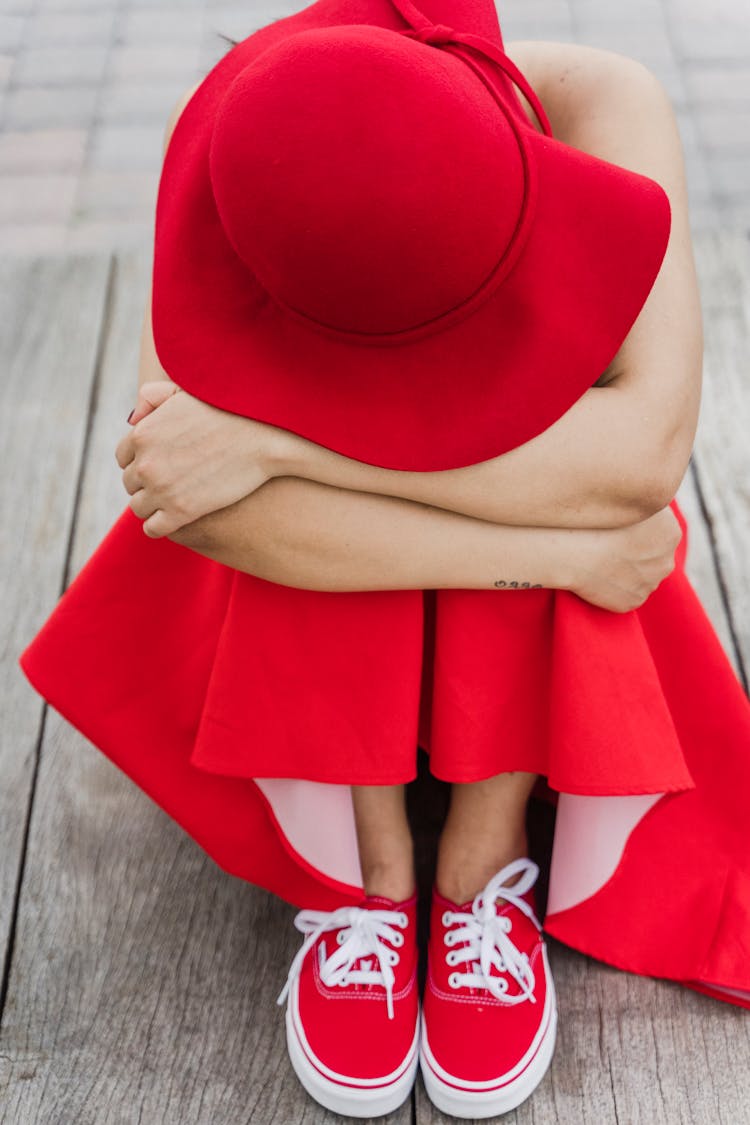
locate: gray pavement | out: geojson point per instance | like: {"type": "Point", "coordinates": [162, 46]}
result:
{"type": "Point", "coordinates": [86, 87]}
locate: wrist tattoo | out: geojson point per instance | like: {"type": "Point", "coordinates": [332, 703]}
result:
{"type": "Point", "coordinates": [503, 584]}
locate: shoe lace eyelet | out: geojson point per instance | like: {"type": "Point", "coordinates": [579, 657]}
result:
{"type": "Point", "coordinates": [340, 937]}
{"type": "Point", "coordinates": [453, 981]}
{"type": "Point", "coordinates": [394, 958]}
{"type": "Point", "coordinates": [403, 919]}
{"type": "Point", "coordinates": [450, 958]}
{"type": "Point", "coordinates": [448, 938]}
{"type": "Point", "coordinates": [447, 918]}
{"type": "Point", "coordinates": [397, 939]}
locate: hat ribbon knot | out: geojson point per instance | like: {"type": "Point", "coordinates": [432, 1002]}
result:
{"type": "Point", "coordinates": [435, 33]}
{"type": "Point", "coordinates": [439, 35]}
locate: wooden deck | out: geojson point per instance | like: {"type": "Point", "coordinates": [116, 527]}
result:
{"type": "Point", "coordinates": [139, 980]}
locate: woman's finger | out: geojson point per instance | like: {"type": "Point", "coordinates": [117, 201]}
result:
{"type": "Point", "coordinates": [140, 505]}
{"type": "Point", "coordinates": [160, 524]}
{"type": "Point", "coordinates": [130, 479]}
{"type": "Point", "coordinates": [150, 396]}
{"type": "Point", "coordinates": [125, 451]}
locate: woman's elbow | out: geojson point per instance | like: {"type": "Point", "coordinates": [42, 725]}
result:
{"type": "Point", "coordinates": [659, 484]}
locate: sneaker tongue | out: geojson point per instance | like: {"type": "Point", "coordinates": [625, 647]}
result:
{"type": "Point", "coordinates": [501, 903]}
{"type": "Point", "coordinates": [385, 902]}
{"type": "Point", "coordinates": [378, 900]}
{"type": "Point", "coordinates": [466, 907]}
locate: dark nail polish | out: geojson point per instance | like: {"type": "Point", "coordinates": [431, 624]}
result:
{"type": "Point", "coordinates": [130, 415]}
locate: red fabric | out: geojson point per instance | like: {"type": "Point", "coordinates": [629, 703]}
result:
{"type": "Point", "coordinates": [691, 853]}
{"type": "Point", "coordinates": [361, 238]}
{"type": "Point", "coordinates": [140, 700]}
{"type": "Point", "coordinates": [286, 692]}
{"type": "Point", "coordinates": [601, 703]}
{"type": "Point", "coordinates": [264, 680]}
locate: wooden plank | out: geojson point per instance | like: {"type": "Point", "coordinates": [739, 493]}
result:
{"type": "Point", "coordinates": [700, 565]}
{"type": "Point", "coordinates": [50, 315]}
{"type": "Point", "coordinates": [722, 452]}
{"type": "Point", "coordinates": [145, 979]}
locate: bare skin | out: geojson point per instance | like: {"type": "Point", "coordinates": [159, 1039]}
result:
{"type": "Point", "coordinates": [485, 829]}
{"type": "Point", "coordinates": [384, 841]}
{"type": "Point", "coordinates": [606, 469]}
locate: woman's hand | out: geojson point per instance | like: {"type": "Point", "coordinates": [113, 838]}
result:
{"type": "Point", "coordinates": [624, 565]}
{"type": "Point", "coordinates": [184, 458]}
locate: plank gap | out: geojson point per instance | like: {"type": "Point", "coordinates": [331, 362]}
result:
{"type": "Point", "coordinates": [21, 871]}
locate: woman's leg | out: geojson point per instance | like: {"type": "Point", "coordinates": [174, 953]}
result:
{"type": "Point", "coordinates": [485, 828]}
{"type": "Point", "coordinates": [488, 1010]}
{"type": "Point", "coordinates": [386, 848]}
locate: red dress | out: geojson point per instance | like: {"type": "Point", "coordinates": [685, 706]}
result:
{"type": "Point", "coordinates": [253, 706]}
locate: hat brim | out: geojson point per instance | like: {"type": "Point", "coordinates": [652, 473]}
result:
{"type": "Point", "coordinates": [469, 392]}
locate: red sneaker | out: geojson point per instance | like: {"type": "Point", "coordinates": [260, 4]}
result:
{"type": "Point", "coordinates": [352, 1018]}
{"type": "Point", "coordinates": [489, 1018]}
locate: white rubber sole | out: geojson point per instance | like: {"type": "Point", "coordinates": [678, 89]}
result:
{"type": "Point", "coordinates": [335, 1092]}
{"type": "Point", "coordinates": [468, 1100]}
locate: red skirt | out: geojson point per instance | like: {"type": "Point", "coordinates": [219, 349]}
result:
{"type": "Point", "coordinates": [245, 709]}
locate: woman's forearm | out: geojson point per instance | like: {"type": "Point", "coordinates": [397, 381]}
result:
{"type": "Point", "coordinates": [309, 535]}
{"type": "Point", "coordinates": [575, 474]}
{"type": "Point", "coordinates": [621, 451]}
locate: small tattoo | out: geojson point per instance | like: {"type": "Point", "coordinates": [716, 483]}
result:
{"type": "Point", "coordinates": [503, 584]}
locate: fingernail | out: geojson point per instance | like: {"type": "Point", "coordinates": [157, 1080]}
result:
{"type": "Point", "coordinates": [130, 415]}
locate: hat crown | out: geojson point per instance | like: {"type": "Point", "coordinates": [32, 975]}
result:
{"type": "Point", "coordinates": [370, 182]}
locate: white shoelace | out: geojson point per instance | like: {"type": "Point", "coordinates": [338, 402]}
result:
{"type": "Point", "coordinates": [362, 933]}
{"type": "Point", "coordinates": [486, 933]}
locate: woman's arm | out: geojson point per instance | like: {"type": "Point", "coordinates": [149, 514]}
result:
{"type": "Point", "coordinates": [314, 536]}
{"type": "Point", "coordinates": [300, 533]}
{"type": "Point", "coordinates": [620, 452]}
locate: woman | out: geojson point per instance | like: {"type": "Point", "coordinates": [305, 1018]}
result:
{"type": "Point", "coordinates": [581, 508]}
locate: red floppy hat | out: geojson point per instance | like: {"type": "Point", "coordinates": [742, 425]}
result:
{"type": "Point", "coordinates": [361, 238]}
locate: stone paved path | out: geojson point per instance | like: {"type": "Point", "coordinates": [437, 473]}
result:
{"type": "Point", "coordinates": [86, 87]}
